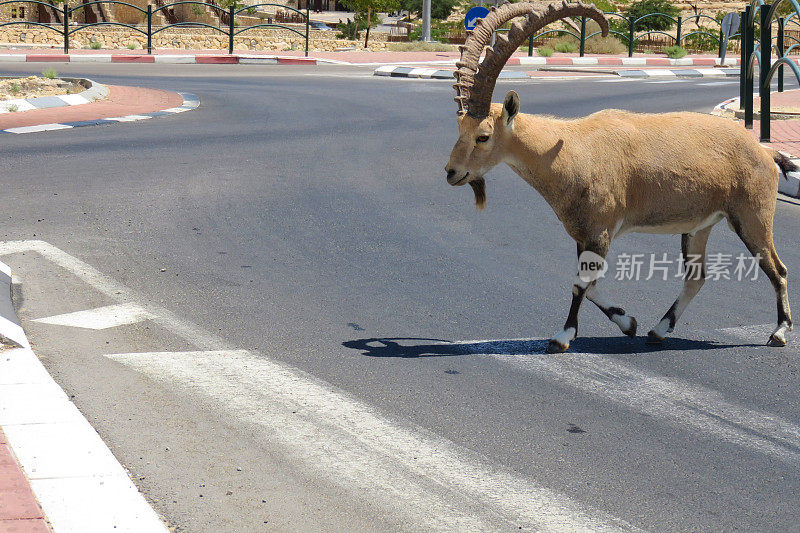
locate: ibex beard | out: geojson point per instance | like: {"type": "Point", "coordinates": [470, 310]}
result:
{"type": "Point", "coordinates": [616, 172]}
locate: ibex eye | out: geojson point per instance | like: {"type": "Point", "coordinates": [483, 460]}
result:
{"type": "Point", "coordinates": [482, 139]}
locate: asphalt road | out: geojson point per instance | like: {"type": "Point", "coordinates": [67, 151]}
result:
{"type": "Point", "coordinates": [301, 213]}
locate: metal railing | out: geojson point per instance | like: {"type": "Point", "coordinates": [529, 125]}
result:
{"type": "Point", "coordinates": [229, 15]}
{"type": "Point", "coordinates": [630, 37]}
{"type": "Point", "coordinates": [762, 52]}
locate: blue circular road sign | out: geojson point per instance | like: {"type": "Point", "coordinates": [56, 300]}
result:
{"type": "Point", "coordinates": [472, 16]}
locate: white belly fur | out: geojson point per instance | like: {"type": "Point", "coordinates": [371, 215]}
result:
{"type": "Point", "coordinates": [688, 226]}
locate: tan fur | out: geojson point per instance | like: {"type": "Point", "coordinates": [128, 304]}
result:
{"type": "Point", "coordinates": [616, 167]}
{"type": "Point", "coordinates": [616, 172]}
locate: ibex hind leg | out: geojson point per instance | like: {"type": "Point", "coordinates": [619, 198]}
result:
{"type": "Point", "coordinates": [694, 254]}
{"type": "Point", "coordinates": [756, 233]}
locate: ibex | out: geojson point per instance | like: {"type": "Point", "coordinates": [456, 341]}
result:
{"type": "Point", "coordinates": [616, 172]}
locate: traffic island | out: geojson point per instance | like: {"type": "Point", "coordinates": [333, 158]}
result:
{"type": "Point", "coordinates": [123, 104]}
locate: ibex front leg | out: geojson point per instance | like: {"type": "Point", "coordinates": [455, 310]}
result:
{"type": "Point", "coordinates": [560, 342]}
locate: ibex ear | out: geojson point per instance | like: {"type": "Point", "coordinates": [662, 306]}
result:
{"type": "Point", "coordinates": [510, 106]}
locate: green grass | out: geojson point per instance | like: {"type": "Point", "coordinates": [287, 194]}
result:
{"type": "Point", "coordinates": [566, 47]}
{"type": "Point", "coordinates": [675, 52]}
{"type": "Point", "coordinates": [15, 88]}
{"type": "Point", "coordinates": [544, 52]}
{"type": "Point", "coordinates": [131, 46]}
{"type": "Point", "coordinates": [50, 74]}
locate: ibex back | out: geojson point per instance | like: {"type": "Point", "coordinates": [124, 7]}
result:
{"type": "Point", "coordinates": [615, 172]}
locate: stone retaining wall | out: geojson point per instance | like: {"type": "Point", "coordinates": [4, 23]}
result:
{"type": "Point", "coordinates": [187, 38]}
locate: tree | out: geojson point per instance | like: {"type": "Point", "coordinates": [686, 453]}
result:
{"type": "Point", "coordinates": [641, 8]}
{"type": "Point", "coordinates": [365, 8]}
{"type": "Point", "coordinates": [440, 9]}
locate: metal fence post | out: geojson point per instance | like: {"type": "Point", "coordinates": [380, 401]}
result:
{"type": "Point", "coordinates": [66, 27]}
{"type": "Point", "coordinates": [678, 38]}
{"type": "Point", "coordinates": [230, 29]}
{"type": "Point", "coordinates": [764, 64]}
{"type": "Point", "coordinates": [530, 46]}
{"type": "Point", "coordinates": [149, 29]}
{"type": "Point", "coordinates": [308, 23]}
{"type": "Point", "coordinates": [721, 43]}
{"type": "Point", "coordinates": [742, 57]}
{"type": "Point", "coordinates": [630, 37]}
{"type": "Point", "coordinates": [583, 35]}
{"type": "Point", "coordinates": [748, 74]}
{"type": "Point", "coordinates": [781, 52]}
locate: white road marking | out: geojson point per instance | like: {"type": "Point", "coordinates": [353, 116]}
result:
{"type": "Point", "coordinates": [100, 318]}
{"type": "Point", "coordinates": [429, 481]}
{"type": "Point", "coordinates": [349, 441]}
{"type": "Point", "coordinates": [670, 400]}
{"type": "Point", "coordinates": [81, 486]}
{"type": "Point", "coordinates": [717, 83]}
{"type": "Point", "coordinates": [758, 332]}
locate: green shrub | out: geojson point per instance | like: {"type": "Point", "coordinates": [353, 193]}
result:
{"type": "Point", "coordinates": [13, 108]}
{"type": "Point", "coordinates": [641, 8]}
{"type": "Point", "coordinates": [565, 47]}
{"type": "Point", "coordinates": [14, 89]}
{"type": "Point", "coordinates": [96, 45]}
{"type": "Point", "coordinates": [50, 74]}
{"type": "Point", "coordinates": [197, 10]}
{"type": "Point", "coordinates": [675, 51]}
{"type": "Point", "coordinates": [131, 46]}
{"type": "Point", "coordinates": [545, 51]}
{"type": "Point", "coordinates": [702, 42]}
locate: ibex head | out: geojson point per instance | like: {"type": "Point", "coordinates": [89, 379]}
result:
{"type": "Point", "coordinates": [484, 129]}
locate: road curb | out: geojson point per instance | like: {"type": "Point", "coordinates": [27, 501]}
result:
{"type": "Point", "coordinates": [397, 71]}
{"type": "Point", "coordinates": [200, 59]}
{"type": "Point", "coordinates": [190, 102]}
{"type": "Point", "coordinates": [95, 91]}
{"type": "Point", "coordinates": [77, 481]}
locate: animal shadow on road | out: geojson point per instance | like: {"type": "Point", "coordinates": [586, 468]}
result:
{"type": "Point", "coordinates": [411, 347]}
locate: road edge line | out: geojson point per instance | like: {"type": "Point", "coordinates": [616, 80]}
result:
{"type": "Point", "coordinates": [69, 503]}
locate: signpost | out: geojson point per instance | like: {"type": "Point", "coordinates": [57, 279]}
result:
{"type": "Point", "coordinates": [472, 16]}
{"type": "Point", "coordinates": [729, 26]}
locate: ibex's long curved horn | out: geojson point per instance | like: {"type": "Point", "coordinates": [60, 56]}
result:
{"type": "Point", "coordinates": [475, 81]}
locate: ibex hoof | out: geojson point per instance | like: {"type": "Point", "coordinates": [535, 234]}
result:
{"type": "Point", "coordinates": [776, 342]}
{"type": "Point", "coordinates": [631, 331]}
{"type": "Point", "coordinates": [556, 347]}
{"type": "Point", "coordinates": [654, 338]}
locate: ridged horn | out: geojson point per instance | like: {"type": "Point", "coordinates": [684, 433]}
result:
{"type": "Point", "coordinates": [477, 78]}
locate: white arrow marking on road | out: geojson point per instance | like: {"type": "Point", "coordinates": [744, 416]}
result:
{"type": "Point", "coordinates": [432, 484]}
{"type": "Point", "coordinates": [100, 318]}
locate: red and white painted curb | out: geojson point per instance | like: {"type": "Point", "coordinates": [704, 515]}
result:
{"type": "Point", "coordinates": [80, 485]}
{"type": "Point", "coordinates": [200, 59]}
{"type": "Point", "coordinates": [246, 59]}
{"type": "Point", "coordinates": [624, 61]}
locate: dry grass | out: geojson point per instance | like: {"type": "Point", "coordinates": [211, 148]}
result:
{"type": "Point", "coordinates": [33, 86]}
{"type": "Point", "coordinates": [417, 46]}
{"type": "Point", "coordinates": [594, 45]}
